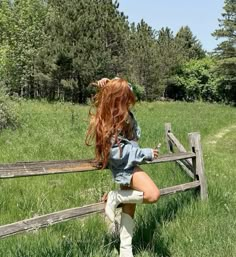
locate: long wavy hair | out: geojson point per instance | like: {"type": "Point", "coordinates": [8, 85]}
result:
{"type": "Point", "coordinates": [111, 104]}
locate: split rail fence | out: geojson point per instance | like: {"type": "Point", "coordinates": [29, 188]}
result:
{"type": "Point", "coordinates": [190, 161]}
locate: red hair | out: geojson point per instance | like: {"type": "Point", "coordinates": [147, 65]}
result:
{"type": "Point", "coordinates": [112, 103]}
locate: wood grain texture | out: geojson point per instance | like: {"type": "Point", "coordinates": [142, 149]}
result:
{"type": "Point", "coordinates": [179, 146]}
{"type": "Point", "coordinates": [194, 139]}
{"type": "Point", "coordinates": [25, 169]}
{"type": "Point", "coordinates": [186, 165]}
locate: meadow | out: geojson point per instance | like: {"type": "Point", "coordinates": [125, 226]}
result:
{"type": "Point", "coordinates": [180, 225]}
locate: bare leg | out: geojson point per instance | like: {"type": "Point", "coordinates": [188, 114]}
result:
{"type": "Point", "coordinates": [142, 182]}
{"type": "Point", "coordinates": [143, 190]}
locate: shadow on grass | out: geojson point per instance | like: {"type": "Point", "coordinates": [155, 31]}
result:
{"type": "Point", "coordinates": [148, 231]}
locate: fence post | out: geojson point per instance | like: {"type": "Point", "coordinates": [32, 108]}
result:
{"type": "Point", "coordinates": [169, 143]}
{"type": "Point", "coordinates": [198, 164]}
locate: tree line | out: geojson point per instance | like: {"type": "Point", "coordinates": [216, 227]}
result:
{"type": "Point", "coordinates": [54, 49]}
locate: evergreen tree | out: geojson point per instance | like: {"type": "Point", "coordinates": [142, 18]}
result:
{"type": "Point", "coordinates": [53, 49]}
{"type": "Point", "coordinates": [168, 58]}
{"type": "Point", "coordinates": [142, 57]}
{"type": "Point", "coordinates": [86, 40]}
{"type": "Point", "coordinates": [226, 52]}
{"type": "Point", "coordinates": [189, 45]}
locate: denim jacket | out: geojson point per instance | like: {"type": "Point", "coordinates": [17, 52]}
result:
{"type": "Point", "coordinates": [125, 156]}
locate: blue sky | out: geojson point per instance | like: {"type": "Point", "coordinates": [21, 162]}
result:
{"type": "Point", "coordinates": [200, 15]}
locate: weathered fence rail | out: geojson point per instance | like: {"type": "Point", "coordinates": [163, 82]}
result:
{"type": "Point", "coordinates": [69, 214]}
{"type": "Point", "coordinates": [25, 169]}
{"type": "Point", "coordinates": [191, 162]}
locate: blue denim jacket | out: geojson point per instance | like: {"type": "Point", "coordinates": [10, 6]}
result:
{"type": "Point", "coordinates": [124, 157]}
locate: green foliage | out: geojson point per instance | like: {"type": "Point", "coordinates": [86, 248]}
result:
{"type": "Point", "coordinates": [188, 44]}
{"type": "Point", "coordinates": [86, 40]}
{"type": "Point", "coordinates": [138, 91]}
{"type": "Point", "coordinates": [8, 116]}
{"type": "Point", "coordinates": [195, 80]}
{"type": "Point", "coordinates": [154, 56]}
{"type": "Point", "coordinates": [226, 52]}
{"type": "Point", "coordinates": [21, 24]}
{"type": "Point", "coordinates": [55, 49]}
{"type": "Point", "coordinates": [169, 57]}
{"type": "Point", "coordinates": [142, 58]}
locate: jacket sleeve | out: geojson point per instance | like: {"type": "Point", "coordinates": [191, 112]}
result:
{"type": "Point", "coordinates": [128, 155]}
{"type": "Point", "coordinates": [136, 155]}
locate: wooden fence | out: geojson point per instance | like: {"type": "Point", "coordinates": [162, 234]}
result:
{"type": "Point", "coordinates": [190, 161]}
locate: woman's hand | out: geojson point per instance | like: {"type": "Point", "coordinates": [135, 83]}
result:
{"type": "Point", "coordinates": [102, 82]}
{"type": "Point", "coordinates": [155, 153]}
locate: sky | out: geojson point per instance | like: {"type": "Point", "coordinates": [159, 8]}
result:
{"type": "Point", "coordinates": [200, 15]}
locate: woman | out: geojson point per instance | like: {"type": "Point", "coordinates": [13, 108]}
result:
{"type": "Point", "coordinates": [116, 132]}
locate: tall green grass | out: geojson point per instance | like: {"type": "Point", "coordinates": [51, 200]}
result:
{"type": "Point", "coordinates": [178, 225]}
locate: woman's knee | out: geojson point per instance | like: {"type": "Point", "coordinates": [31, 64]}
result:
{"type": "Point", "coordinates": [152, 196]}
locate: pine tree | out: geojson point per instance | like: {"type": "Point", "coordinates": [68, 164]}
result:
{"type": "Point", "coordinates": [142, 57]}
{"type": "Point", "coordinates": [169, 58]}
{"type": "Point", "coordinates": [189, 45]}
{"type": "Point", "coordinates": [85, 41]}
{"type": "Point", "coordinates": [226, 52]}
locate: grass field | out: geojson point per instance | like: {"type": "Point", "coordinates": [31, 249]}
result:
{"type": "Point", "coordinates": [180, 225]}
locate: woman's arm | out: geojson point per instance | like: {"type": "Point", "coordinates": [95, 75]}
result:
{"type": "Point", "coordinates": [131, 155]}
{"type": "Point", "coordinates": [138, 155]}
